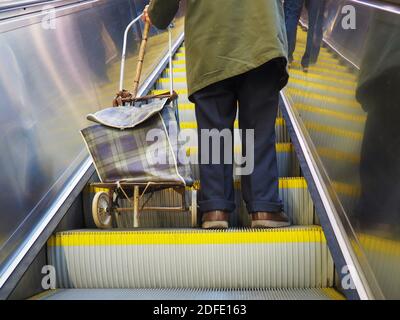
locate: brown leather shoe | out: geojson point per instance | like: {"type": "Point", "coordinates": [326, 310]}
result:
{"type": "Point", "coordinates": [215, 220]}
{"type": "Point", "coordinates": [269, 220]}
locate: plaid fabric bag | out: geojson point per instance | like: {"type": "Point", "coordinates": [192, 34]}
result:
{"type": "Point", "coordinates": [137, 144]}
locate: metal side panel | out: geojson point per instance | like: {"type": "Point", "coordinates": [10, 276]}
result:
{"type": "Point", "coordinates": [234, 259]}
{"type": "Point", "coordinates": [190, 294]}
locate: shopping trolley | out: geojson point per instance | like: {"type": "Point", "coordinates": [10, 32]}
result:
{"type": "Point", "coordinates": [120, 152]}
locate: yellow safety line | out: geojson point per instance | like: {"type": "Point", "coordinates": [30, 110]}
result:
{"type": "Point", "coordinates": [333, 294]}
{"type": "Point", "coordinates": [312, 234]}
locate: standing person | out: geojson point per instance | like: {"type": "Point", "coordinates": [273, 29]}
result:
{"type": "Point", "coordinates": [236, 55]}
{"type": "Point", "coordinates": [316, 11]}
{"type": "Point", "coordinates": [293, 10]}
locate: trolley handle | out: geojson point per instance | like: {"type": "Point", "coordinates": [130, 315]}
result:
{"type": "Point", "coordinates": [142, 52]}
{"type": "Point", "coordinates": [125, 96]}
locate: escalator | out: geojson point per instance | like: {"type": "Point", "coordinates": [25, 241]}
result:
{"type": "Point", "coordinates": [322, 130]}
{"type": "Point", "coordinates": [167, 260]}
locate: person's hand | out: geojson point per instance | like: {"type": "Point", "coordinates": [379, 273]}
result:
{"type": "Point", "coordinates": [146, 17]}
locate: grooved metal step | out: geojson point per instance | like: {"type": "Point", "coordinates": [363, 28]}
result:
{"type": "Point", "coordinates": [190, 294]}
{"type": "Point", "coordinates": [296, 257]}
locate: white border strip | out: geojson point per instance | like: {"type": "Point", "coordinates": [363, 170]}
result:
{"type": "Point", "coordinates": [335, 223]}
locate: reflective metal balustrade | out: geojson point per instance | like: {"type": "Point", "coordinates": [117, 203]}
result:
{"type": "Point", "coordinates": [53, 73]}
{"type": "Point", "coordinates": [348, 104]}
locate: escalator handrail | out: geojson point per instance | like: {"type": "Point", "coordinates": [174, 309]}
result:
{"type": "Point", "coordinates": [385, 6]}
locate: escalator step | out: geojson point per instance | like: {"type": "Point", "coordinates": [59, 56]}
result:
{"type": "Point", "coordinates": [296, 257]}
{"type": "Point", "coordinates": [288, 165]}
{"type": "Point", "coordinates": [190, 294]}
{"type": "Point", "coordinates": [294, 193]}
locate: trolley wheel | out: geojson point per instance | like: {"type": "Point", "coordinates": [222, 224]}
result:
{"type": "Point", "coordinates": [101, 210]}
{"type": "Point", "coordinates": [193, 208]}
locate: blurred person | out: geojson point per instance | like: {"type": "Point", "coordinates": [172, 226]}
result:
{"type": "Point", "coordinates": [293, 9]}
{"type": "Point", "coordinates": [316, 11]}
{"type": "Point", "coordinates": [235, 58]}
{"type": "Point", "coordinates": [378, 92]}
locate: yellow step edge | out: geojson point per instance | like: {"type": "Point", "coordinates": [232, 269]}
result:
{"type": "Point", "coordinates": [177, 80]}
{"type": "Point", "coordinates": [334, 114]}
{"type": "Point", "coordinates": [317, 69]}
{"type": "Point", "coordinates": [284, 183]}
{"type": "Point", "coordinates": [313, 85]}
{"type": "Point", "coordinates": [180, 70]}
{"type": "Point", "coordinates": [193, 124]}
{"type": "Point", "coordinates": [333, 294]}
{"type": "Point", "coordinates": [379, 245]}
{"type": "Point", "coordinates": [323, 77]}
{"type": "Point", "coordinates": [178, 91]}
{"type": "Point", "coordinates": [323, 98]}
{"type": "Point", "coordinates": [347, 189]}
{"type": "Point", "coordinates": [338, 155]}
{"type": "Point", "coordinates": [330, 66]}
{"type": "Point", "coordinates": [326, 58]}
{"type": "Point", "coordinates": [280, 148]}
{"type": "Point", "coordinates": [186, 106]}
{"type": "Point", "coordinates": [333, 131]}
{"type": "Point", "coordinates": [179, 62]}
{"type": "Point", "coordinates": [185, 237]}
{"type": "Point", "coordinates": [335, 65]}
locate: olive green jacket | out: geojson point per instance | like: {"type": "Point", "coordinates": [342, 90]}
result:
{"type": "Point", "coordinates": [225, 38]}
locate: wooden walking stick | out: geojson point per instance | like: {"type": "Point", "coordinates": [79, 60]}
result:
{"type": "Point", "coordinates": [142, 52]}
{"type": "Point", "coordinates": [124, 94]}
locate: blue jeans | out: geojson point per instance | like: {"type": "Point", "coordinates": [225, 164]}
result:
{"type": "Point", "coordinates": [292, 16]}
{"type": "Point", "coordinates": [316, 10]}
